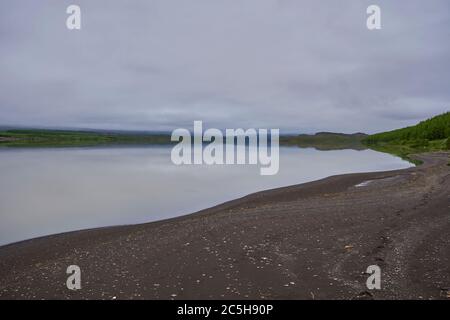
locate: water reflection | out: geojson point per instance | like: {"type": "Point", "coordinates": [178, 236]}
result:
{"type": "Point", "coordinates": [46, 191]}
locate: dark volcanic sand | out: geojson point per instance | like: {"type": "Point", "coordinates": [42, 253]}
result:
{"type": "Point", "coordinates": [310, 241]}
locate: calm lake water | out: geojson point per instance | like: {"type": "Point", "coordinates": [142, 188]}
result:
{"type": "Point", "coordinates": [47, 191]}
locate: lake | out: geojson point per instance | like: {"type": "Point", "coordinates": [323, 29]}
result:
{"type": "Point", "coordinates": [47, 191]}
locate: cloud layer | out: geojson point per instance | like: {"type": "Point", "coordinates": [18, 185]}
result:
{"type": "Point", "coordinates": [160, 64]}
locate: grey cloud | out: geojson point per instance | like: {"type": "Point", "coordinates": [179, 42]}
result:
{"type": "Point", "coordinates": [160, 64]}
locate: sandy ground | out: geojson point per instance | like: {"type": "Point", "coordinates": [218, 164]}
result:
{"type": "Point", "coordinates": [309, 241]}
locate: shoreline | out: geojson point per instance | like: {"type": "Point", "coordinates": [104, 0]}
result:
{"type": "Point", "coordinates": [307, 241]}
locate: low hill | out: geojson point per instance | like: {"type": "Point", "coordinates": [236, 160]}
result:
{"type": "Point", "coordinates": [326, 141]}
{"type": "Point", "coordinates": [66, 138]}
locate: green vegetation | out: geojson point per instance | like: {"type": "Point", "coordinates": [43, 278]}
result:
{"type": "Point", "coordinates": [68, 138]}
{"type": "Point", "coordinates": [436, 128]}
{"type": "Point", "coordinates": [326, 141]}
{"type": "Point", "coordinates": [429, 135]}
{"type": "Point", "coordinates": [63, 138]}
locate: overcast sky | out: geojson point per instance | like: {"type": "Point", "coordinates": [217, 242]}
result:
{"type": "Point", "coordinates": [302, 66]}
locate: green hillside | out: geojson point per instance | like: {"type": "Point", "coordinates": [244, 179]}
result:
{"type": "Point", "coordinates": [429, 135]}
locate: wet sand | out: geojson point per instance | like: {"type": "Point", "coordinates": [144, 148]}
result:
{"type": "Point", "coordinates": [309, 241]}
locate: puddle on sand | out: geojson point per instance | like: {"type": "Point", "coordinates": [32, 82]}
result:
{"type": "Point", "coordinates": [363, 184]}
{"type": "Point", "coordinates": [378, 181]}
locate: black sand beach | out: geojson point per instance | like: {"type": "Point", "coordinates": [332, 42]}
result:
{"type": "Point", "coordinates": [309, 241]}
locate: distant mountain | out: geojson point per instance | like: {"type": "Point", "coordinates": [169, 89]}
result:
{"type": "Point", "coordinates": [326, 133]}
{"type": "Point", "coordinates": [326, 141]}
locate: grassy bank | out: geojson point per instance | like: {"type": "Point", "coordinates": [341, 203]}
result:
{"type": "Point", "coordinates": [62, 138]}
